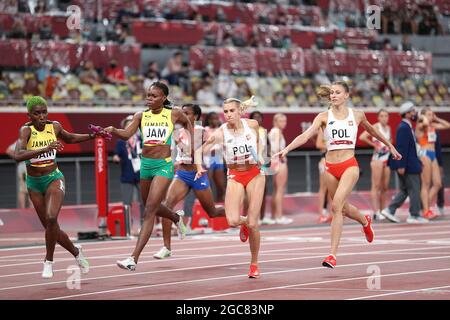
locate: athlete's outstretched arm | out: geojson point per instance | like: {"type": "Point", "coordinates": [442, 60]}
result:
{"type": "Point", "coordinates": [69, 137]}
{"type": "Point", "coordinates": [131, 129]}
{"type": "Point", "coordinates": [440, 124]}
{"type": "Point", "coordinates": [365, 138]}
{"type": "Point", "coordinates": [375, 133]}
{"type": "Point", "coordinates": [21, 153]}
{"type": "Point", "coordinates": [304, 137]}
{"type": "Point", "coordinates": [216, 138]}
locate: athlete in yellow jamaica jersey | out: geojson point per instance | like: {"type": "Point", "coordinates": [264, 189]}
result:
{"type": "Point", "coordinates": [37, 145]}
{"type": "Point", "coordinates": [157, 170]}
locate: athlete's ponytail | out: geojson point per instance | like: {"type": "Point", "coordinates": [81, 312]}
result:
{"type": "Point", "coordinates": [324, 92]}
{"type": "Point", "coordinates": [243, 105]}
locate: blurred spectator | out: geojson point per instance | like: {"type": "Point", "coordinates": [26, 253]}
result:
{"type": "Point", "coordinates": [41, 7]}
{"type": "Point", "coordinates": [173, 68]}
{"type": "Point", "coordinates": [23, 6]}
{"type": "Point", "coordinates": [152, 74]}
{"type": "Point", "coordinates": [45, 31]}
{"type": "Point", "coordinates": [89, 75]}
{"type": "Point", "coordinates": [18, 30]}
{"type": "Point", "coordinates": [220, 15]}
{"type": "Point", "coordinates": [31, 85]}
{"type": "Point", "coordinates": [16, 90]}
{"type": "Point", "coordinates": [320, 43]}
{"type": "Point", "coordinates": [9, 6]}
{"type": "Point", "coordinates": [115, 74]}
{"type": "Point", "coordinates": [206, 94]}
{"type": "Point", "coordinates": [50, 83]}
{"type": "Point", "coordinates": [226, 86]}
{"type": "Point", "coordinates": [405, 45]}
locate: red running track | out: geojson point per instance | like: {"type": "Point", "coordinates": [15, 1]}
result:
{"type": "Point", "coordinates": [413, 262]}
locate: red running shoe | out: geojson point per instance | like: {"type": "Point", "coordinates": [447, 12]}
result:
{"type": "Point", "coordinates": [329, 262]}
{"type": "Point", "coordinates": [254, 271]}
{"type": "Point", "coordinates": [430, 215]}
{"type": "Point", "coordinates": [243, 234]}
{"type": "Point", "coordinates": [368, 230]}
{"type": "Point", "coordinates": [325, 218]}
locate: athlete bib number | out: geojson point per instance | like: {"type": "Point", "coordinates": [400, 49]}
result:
{"type": "Point", "coordinates": [155, 135]}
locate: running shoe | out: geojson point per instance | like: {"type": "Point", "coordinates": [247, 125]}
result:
{"type": "Point", "coordinates": [430, 215]}
{"type": "Point", "coordinates": [283, 220]}
{"type": "Point", "coordinates": [441, 210]}
{"type": "Point", "coordinates": [385, 212]}
{"type": "Point", "coordinates": [48, 269]}
{"type": "Point", "coordinates": [368, 230]}
{"type": "Point", "coordinates": [254, 272]}
{"type": "Point", "coordinates": [416, 220]}
{"type": "Point", "coordinates": [162, 253]}
{"type": "Point", "coordinates": [325, 218]}
{"type": "Point", "coordinates": [243, 233]}
{"type": "Point", "coordinates": [127, 264]}
{"type": "Point", "coordinates": [329, 262]}
{"type": "Point", "coordinates": [81, 260]}
{"type": "Point", "coordinates": [267, 221]}
{"type": "Point", "coordinates": [378, 216]}
{"type": "Point", "coordinates": [181, 226]}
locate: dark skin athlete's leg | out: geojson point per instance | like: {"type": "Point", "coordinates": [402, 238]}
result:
{"type": "Point", "coordinates": [177, 192]}
{"type": "Point", "coordinates": [153, 193]}
{"type": "Point", "coordinates": [218, 176]}
{"type": "Point", "coordinates": [207, 201]}
{"type": "Point", "coordinates": [63, 240]}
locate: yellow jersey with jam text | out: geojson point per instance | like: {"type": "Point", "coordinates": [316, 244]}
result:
{"type": "Point", "coordinates": [157, 128]}
{"type": "Point", "coordinates": [39, 140]}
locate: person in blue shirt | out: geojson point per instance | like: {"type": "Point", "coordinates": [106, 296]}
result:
{"type": "Point", "coordinates": [128, 154]}
{"type": "Point", "coordinates": [408, 168]}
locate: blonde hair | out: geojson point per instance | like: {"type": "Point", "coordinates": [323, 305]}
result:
{"type": "Point", "coordinates": [324, 91]}
{"type": "Point", "coordinates": [243, 105]}
{"type": "Point", "coordinates": [278, 116]}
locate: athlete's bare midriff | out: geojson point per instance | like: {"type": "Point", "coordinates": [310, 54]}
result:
{"type": "Point", "coordinates": [337, 156]}
{"type": "Point", "coordinates": [241, 167]}
{"type": "Point", "coordinates": [41, 171]}
{"type": "Point", "coordinates": [156, 152]}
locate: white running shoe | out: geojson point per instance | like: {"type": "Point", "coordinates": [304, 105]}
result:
{"type": "Point", "coordinates": [127, 264]}
{"type": "Point", "coordinates": [81, 260]}
{"type": "Point", "coordinates": [441, 210]}
{"type": "Point", "coordinates": [162, 253]}
{"type": "Point", "coordinates": [157, 227]}
{"type": "Point", "coordinates": [378, 216]}
{"type": "Point", "coordinates": [385, 212]}
{"type": "Point", "coordinates": [416, 220]}
{"type": "Point", "coordinates": [181, 226]}
{"type": "Point", "coordinates": [48, 269]}
{"type": "Point", "coordinates": [283, 220]}
{"type": "Point", "coordinates": [267, 221]}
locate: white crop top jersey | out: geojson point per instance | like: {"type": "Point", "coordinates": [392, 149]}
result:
{"type": "Point", "coordinates": [386, 134]}
{"type": "Point", "coordinates": [242, 147]}
{"type": "Point", "coordinates": [341, 134]}
{"type": "Point", "coordinates": [184, 151]}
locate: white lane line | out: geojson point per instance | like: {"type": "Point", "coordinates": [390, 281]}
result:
{"type": "Point", "coordinates": [316, 283]}
{"type": "Point", "coordinates": [326, 231]}
{"type": "Point", "coordinates": [402, 292]}
{"type": "Point", "coordinates": [215, 266]}
{"type": "Point", "coordinates": [363, 241]}
{"type": "Point", "coordinates": [208, 256]}
{"type": "Point", "coordinates": [265, 274]}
